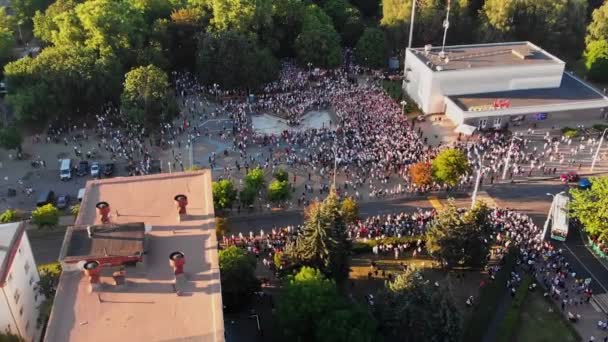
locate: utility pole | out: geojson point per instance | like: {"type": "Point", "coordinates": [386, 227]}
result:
{"type": "Point", "coordinates": [446, 25]}
{"type": "Point", "coordinates": [506, 167]}
{"type": "Point", "coordinates": [169, 163]}
{"type": "Point", "coordinates": [191, 153]}
{"type": "Point", "coordinates": [597, 152]}
{"type": "Point", "coordinates": [477, 180]}
{"type": "Point", "coordinates": [409, 44]}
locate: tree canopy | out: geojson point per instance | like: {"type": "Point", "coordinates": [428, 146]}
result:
{"type": "Point", "coordinates": [460, 239]}
{"type": "Point", "coordinates": [46, 215]}
{"type": "Point", "coordinates": [598, 28]}
{"type": "Point", "coordinates": [146, 97]}
{"type": "Point", "coordinates": [323, 243]}
{"type": "Point", "coordinates": [310, 308]}
{"type": "Point", "coordinates": [449, 165]}
{"type": "Point", "coordinates": [7, 36]}
{"type": "Point", "coordinates": [371, 48]}
{"type": "Point", "coordinates": [224, 194]}
{"type": "Point", "coordinates": [590, 207]}
{"type": "Point", "coordinates": [420, 174]}
{"type": "Point", "coordinates": [413, 309]}
{"type": "Point", "coordinates": [318, 43]}
{"type": "Point", "coordinates": [596, 60]}
{"type": "Point", "coordinates": [237, 273]}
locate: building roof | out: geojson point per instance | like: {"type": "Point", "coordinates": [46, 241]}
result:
{"type": "Point", "coordinates": [106, 240]}
{"type": "Point", "coordinates": [570, 91]}
{"type": "Point", "coordinates": [10, 236]}
{"type": "Point", "coordinates": [484, 55]}
{"type": "Point", "coordinates": [148, 308]}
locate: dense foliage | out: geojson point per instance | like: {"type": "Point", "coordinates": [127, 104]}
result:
{"type": "Point", "coordinates": [413, 309]}
{"type": "Point", "coordinates": [237, 272]}
{"type": "Point", "coordinates": [460, 239]}
{"type": "Point", "coordinates": [310, 309]}
{"type": "Point", "coordinates": [590, 207]}
{"type": "Point", "coordinates": [449, 165]}
{"type": "Point", "coordinates": [46, 215]}
{"type": "Point", "coordinates": [224, 194]}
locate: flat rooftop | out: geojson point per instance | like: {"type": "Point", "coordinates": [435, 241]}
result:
{"type": "Point", "coordinates": [571, 90]}
{"type": "Point", "coordinates": [106, 240]}
{"type": "Point", "coordinates": [485, 55]}
{"type": "Point", "coordinates": [10, 235]}
{"type": "Point", "coordinates": [147, 308]}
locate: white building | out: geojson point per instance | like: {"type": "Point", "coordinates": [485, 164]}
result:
{"type": "Point", "coordinates": [19, 301]}
{"type": "Point", "coordinates": [488, 85]}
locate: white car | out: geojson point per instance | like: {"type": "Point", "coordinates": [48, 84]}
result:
{"type": "Point", "coordinates": [95, 169]}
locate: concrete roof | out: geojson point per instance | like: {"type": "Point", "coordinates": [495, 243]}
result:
{"type": "Point", "coordinates": [147, 308]}
{"type": "Point", "coordinates": [10, 235]}
{"type": "Point", "coordinates": [571, 90]}
{"type": "Point", "coordinates": [485, 55]}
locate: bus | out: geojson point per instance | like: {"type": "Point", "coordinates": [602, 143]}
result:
{"type": "Point", "coordinates": [559, 217]}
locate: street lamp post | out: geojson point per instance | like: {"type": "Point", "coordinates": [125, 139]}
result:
{"type": "Point", "coordinates": [597, 152]}
{"type": "Point", "coordinates": [506, 168]}
{"type": "Point", "coordinates": [403, 104]}
{"type": "Point", "coordinates": [335, 163]}
{"type": "Point", "coordinates": [169, 163]}
{"type": "Point", "coordinates": [477, 180]}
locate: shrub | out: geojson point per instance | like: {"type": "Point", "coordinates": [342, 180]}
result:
{"type": "Point", "coordinates": [9, 215]}
{"type": "Point", "coordinates": [570, 132]}
{"type": "Point", "coordinates": [281, 175]}
{"type": "Point", "coordinates": [47, 215]}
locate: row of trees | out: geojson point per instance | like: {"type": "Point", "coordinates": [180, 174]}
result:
{"type": "Point", "coordinates": [225, 193]}
{"type": "Point", "coordinates": [596, 52]}
{"type": "Point", "coordinates": [446, 168]}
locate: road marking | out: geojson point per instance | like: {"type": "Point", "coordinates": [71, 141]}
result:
{"type": "Point", "coordinates": [435, 202]}
{"type": "Point", "coordinates": [585, 267]}
{"type": "Point", "coordinates": [597, 308]}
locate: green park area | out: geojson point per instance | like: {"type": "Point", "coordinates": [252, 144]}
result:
{"type": "Point", "coordinates": [539, 322]}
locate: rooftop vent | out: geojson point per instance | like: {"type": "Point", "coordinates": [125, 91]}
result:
{"type": "Point", "coordinates": [177, 260]}
{"type": "Point", "coordinates": [522, 52]}
{"type": "Point", "coordinates": [427, 48]}
{"type": "Point", "coordinates": [93, 270]}
{"type": "Point", "coordinates": [103, 209]}
{"type": "Point", "coordinates": [182, 203]}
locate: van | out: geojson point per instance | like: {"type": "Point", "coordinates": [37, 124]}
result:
{"type": "Point", "coordinates": [65, 169]}
{"type": "Point", "coordinates": [45, 197]}
{"type": "Point", "coordinates": [81, 194]}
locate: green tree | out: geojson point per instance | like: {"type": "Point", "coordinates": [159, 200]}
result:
{"type": "Point", "coordinates": [234, 60]}
{"type": "Point", "coordinates": [596, 60]}
{"type": "Point", "coordinates": [371, 48]}
{"type": "Point", "coordinates": [459, 239]}
{"type": "Point", "coordinates": [590, 207]}
{"type": "Point", "coordinates": [598, 27]}
{"type": "Point", "coordinates": [310, 308]}
{"type": "Point", "coordinates": [11, 138]}
{"type": "Point", "coordinates": [346, 19]}
{"type": "Point", "coordinates": [287, 18]}
{"type": "Point", "coordinates": [369, 8]}
{"type": "Point", "coordinates": [49, 279]}
{"type": "Point", "coordinates": [9, 215]}
{"type": "Point", "coordinates": [237, 273]}
{"type": "Point", "coordinates": [558, 25]}
{"type": "Point", "coordinates": [221, 227]}
{"type": "Point", "coordinates": [147, 97]}
{"type": "Point", "coordinates": [281, 175]}
{"type": "Point", "coordinates": [279, 191]}
{"type": "Point", "coordinates": [7, 36]}
{"type": "Point", "coordinates": [413, 304]}
{"type": "Point", "coordinates": [318, 43]}
{"type": "Point", "coordinates": [182, 33]}
{"type": "Point", "coordinates": [46, 215]}
{"type": "Point", "coordinates": [323, 242]}
{"type": "Point", "coordinates": [255, 179]}
{"type": "Point", "coordinates": [247, 195]}
{"type": "Point", "coordinates": [45, 23]}
{"type": "Point", "coordinates": [224, 194]}
{"type": "Point", "coordinates": [241, 15]}
{"type": "Point", "coordinates": [75, 209]}
{"type": "Point", "coordinates": [350, 210]}
{"type": "Point", "coordinates": [25, 9]}
{"type": "Point", "coordinates": [449, 165]}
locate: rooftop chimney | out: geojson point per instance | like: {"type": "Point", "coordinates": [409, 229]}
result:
{"type": "Point", "coordinates": [177, 261]}
{"type": "Point", "coordinates": [103, 209]}
{"type": "Point", "coordinates": [93, 270]}
{"type": "Point", "coordinates": [182, 203]}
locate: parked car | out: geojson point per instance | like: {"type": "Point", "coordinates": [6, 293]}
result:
{"type": "Point", "coordinates": [108, 169]}
{"type": "Point", "coordinates": [83, 168]}
{"type": "Point", "coordinates": [95, 169]}
{"type": "Point", "coordinates": [63, 201]}
{"type": "Point", "coordinates": [569, 177]}
{"type": "Point", "coordinates": [45, 197]}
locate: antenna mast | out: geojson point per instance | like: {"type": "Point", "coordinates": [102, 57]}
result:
{"type": "Point", "coordinates": [446, 25]}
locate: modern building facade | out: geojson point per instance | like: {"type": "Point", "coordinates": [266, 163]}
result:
{"type": "Point", "coordinates": [489, 85]}
{"type": "Point", "coordinates": [19, 277]}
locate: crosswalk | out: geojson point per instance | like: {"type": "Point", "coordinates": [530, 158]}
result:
{"type": "Point", "coordinates": [437, 204]}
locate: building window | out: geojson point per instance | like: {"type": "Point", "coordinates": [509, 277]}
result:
{"type": "Point", "coordinates": [16, 296]}
{"type": "Point", "coordinates": [21, 311]}
{"type": "Point", "coordinates": [31, 280]}
{"type": "Point", "coordinates": [27, 267]}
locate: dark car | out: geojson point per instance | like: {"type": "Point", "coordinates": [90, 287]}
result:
{"type": "Point", "coordinates": [108, 169]}
{"type": "Point", "coordinates": [63, 201]}
{"type": "Point", "coordinates": [45, 197]}
{"type": "Point", "coordinates": [83, 168]}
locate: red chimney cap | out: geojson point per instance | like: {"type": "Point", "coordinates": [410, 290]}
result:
{"type": "Point", "coordinates": [176, 256]}
{"type": "Point", "coordinates": [102, 204]}
{"type": "Point", "coordinates": [91, 265]}
{"type": "Point", "coordinates": [180, 197]}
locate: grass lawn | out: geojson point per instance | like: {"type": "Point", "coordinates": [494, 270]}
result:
{"type": "Point", "coordinates": [538, 324]}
